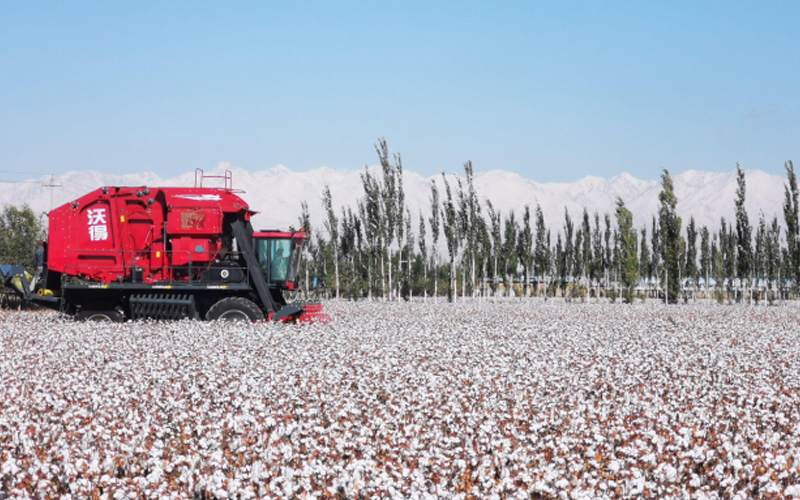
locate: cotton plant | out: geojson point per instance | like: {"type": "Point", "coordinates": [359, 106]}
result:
{"type": "Point", "coordinates": [478, 399]}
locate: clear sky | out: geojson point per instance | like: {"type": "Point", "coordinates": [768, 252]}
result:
{"type": "Point", "coordinates": [551, 90]}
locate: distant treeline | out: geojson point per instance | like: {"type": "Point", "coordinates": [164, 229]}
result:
{"type": "Point", "coordinates": [371, 251]}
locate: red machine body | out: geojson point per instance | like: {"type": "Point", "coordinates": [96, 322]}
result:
{"type": "Point", "coordinates": [169, 253]}
{"type": "Point", "coordinates": [116, 234]}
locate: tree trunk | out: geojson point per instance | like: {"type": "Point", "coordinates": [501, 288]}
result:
{"type": "Point", "coordinates": [336, 267]}
{"type": "Point", "coordinates": [391, 284]}
{"type": "Point", "coordinates": [424, 280]}
{"type": "Point", "coordinates": [453, 292]}
{"type": "Point", "coordinates": [463, 281]}
{"type": "Point", "coordinates": [408, 280]}
{"type": "Point", "coordinates": [473, 276]}
{"type": "Point", "coordinates": [383, 276]}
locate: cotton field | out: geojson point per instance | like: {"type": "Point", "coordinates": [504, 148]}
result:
{"type": "Point", "coordinates": [508, 399]}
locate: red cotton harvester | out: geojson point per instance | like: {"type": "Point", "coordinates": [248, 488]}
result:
{"type": "Point", "coordinates": [167, 253]}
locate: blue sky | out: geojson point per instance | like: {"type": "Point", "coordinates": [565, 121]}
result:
{"type": "Point", "coordinates": [553, 91]}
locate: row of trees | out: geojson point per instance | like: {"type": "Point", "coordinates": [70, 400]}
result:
{"type": "Point", "coordinates": [372, 251]}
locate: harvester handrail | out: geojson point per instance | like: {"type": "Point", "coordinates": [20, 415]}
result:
{"type": "Point", "coordinates": [199, 175]}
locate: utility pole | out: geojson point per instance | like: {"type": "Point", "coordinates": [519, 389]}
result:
{"type": "Point", "coordinates": [51, 185]}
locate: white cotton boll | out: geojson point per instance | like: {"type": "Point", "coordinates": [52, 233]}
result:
{"type": "Point", "coordinates": [216, 457]}
{"type": "Point", "coordinates": [256, 471]}
{"type": "Point", "coordinates": [636, 486]}
{"type": "Point", "coordinates": [456, 382]}
{"type": "Point", "coordinates": [670, 474]}
{"type": "Point", "coordinates": [10, 467]}
{"type": "Point", "coordinates": [792, 491]}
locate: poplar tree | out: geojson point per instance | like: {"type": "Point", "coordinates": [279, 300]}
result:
{"type": "Point", "coordinates": [403, 223]}
{"type": "Point", "coordinates": [509, 258]}
{"type": "Point", "coordinates": [691, 254]}
{"type": "Point", "coordinates": [370, 211]}
{"type": "Point", "coordinates": [472, 219]}
{"type": "Point", "coordinates": [586, 254]}
{"type": "Point", "coordinates": [597, 266]}
{"type": "Point", "coordinates": [423, 252]}
{"type": "Point", "coordinates": [577, 258]}
{"type": "Point", "coordinates": [722, 240]}
{"type": "Point", "coordinates": [560, 266]}
{"type": "Point", "coordinates": [525, 248]}
{"type": "Point", "coordinates": [331, 224]}
{"type": "Point", "coordinates": [728, 245]}
{"type": "Point", "coordinates": [387, 192]}
{"type": "Point", "coordinates": [542, 251]}
{"type": "Point", "coordinates": [670, 225]}
{"type": "Point", "coordinates": [718, 265]}
{"type": "Point", "coordinates": [497, 241]}
{"type": "Point", "coordinates": [347, 251]}
{"type": "Point", "coordinates": [568, 257]}
{"type": "Point", "coordinates": [465, 234]}
{"type": "Point", "coordinates": [656, 253]}
{"type": "Point", "coordinates": [450, 224]}
{"type": "Point", "coordinates": [407, 291]}
{"type": "Point", "coordinates": [773, 260]}
{"type": "Point", "coordinates": [608, 251]}
{"type": "Point", "coordinates": [484, 250]}
{"type": "Point", "coordinates": [644, 258]}
{"type": "Point", "coordinates": [791, 218]}
{"type": "Point", "coordinates": [434, 222]}
{"type": "Point", "coordinates": [705, 257]}
{"type": "Point", "coordinates": [308, 248]}
{"type": "Point", "coordinates": [760, 254]}
{"type": "Point", "coordinates": [744, 248]}
{"type": "Point", "coordinates": [629, 265]}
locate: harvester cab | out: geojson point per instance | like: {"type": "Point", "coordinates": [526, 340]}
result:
{"type": "Point", "coordinates": [278, 254]}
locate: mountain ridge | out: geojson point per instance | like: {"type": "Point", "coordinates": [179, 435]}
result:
{"type": "Point", "coordinates": [277, 193]}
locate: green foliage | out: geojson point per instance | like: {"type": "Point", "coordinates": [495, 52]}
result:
{"type": "Point", "coordinates": [577, 291]}
{"type": "Point", "coordinates": [791, 217]}
{"type": "Point", "coordinates": [744, 249]}
{"type": "Point", "coordinates": [525, 246]}
{"type": "Point", "coordinates": [542, 253]}
{"type": "Point", "coordinates": [20, 233]}
{"type": "Point", "coordinates": [719, 272]}
{"type": "Point", "coordinates": [670, 226]}
{"type": "Point", "coordinates": [629, 264]}
{"type": "Point", "coordinates": [452, 232]}
{"type": "Point", "coordinates": [705, 254]}
{"type": "Point", "coordinates": [360, 248]}
{"type": "Point", "coordinates": [644, 256]}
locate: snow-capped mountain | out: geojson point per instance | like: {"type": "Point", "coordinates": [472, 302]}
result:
{"type": "Point", "coordinates": [278, 192]}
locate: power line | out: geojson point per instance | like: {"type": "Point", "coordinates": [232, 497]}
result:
{"type": "Point", "coordinates": [22, 173]}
